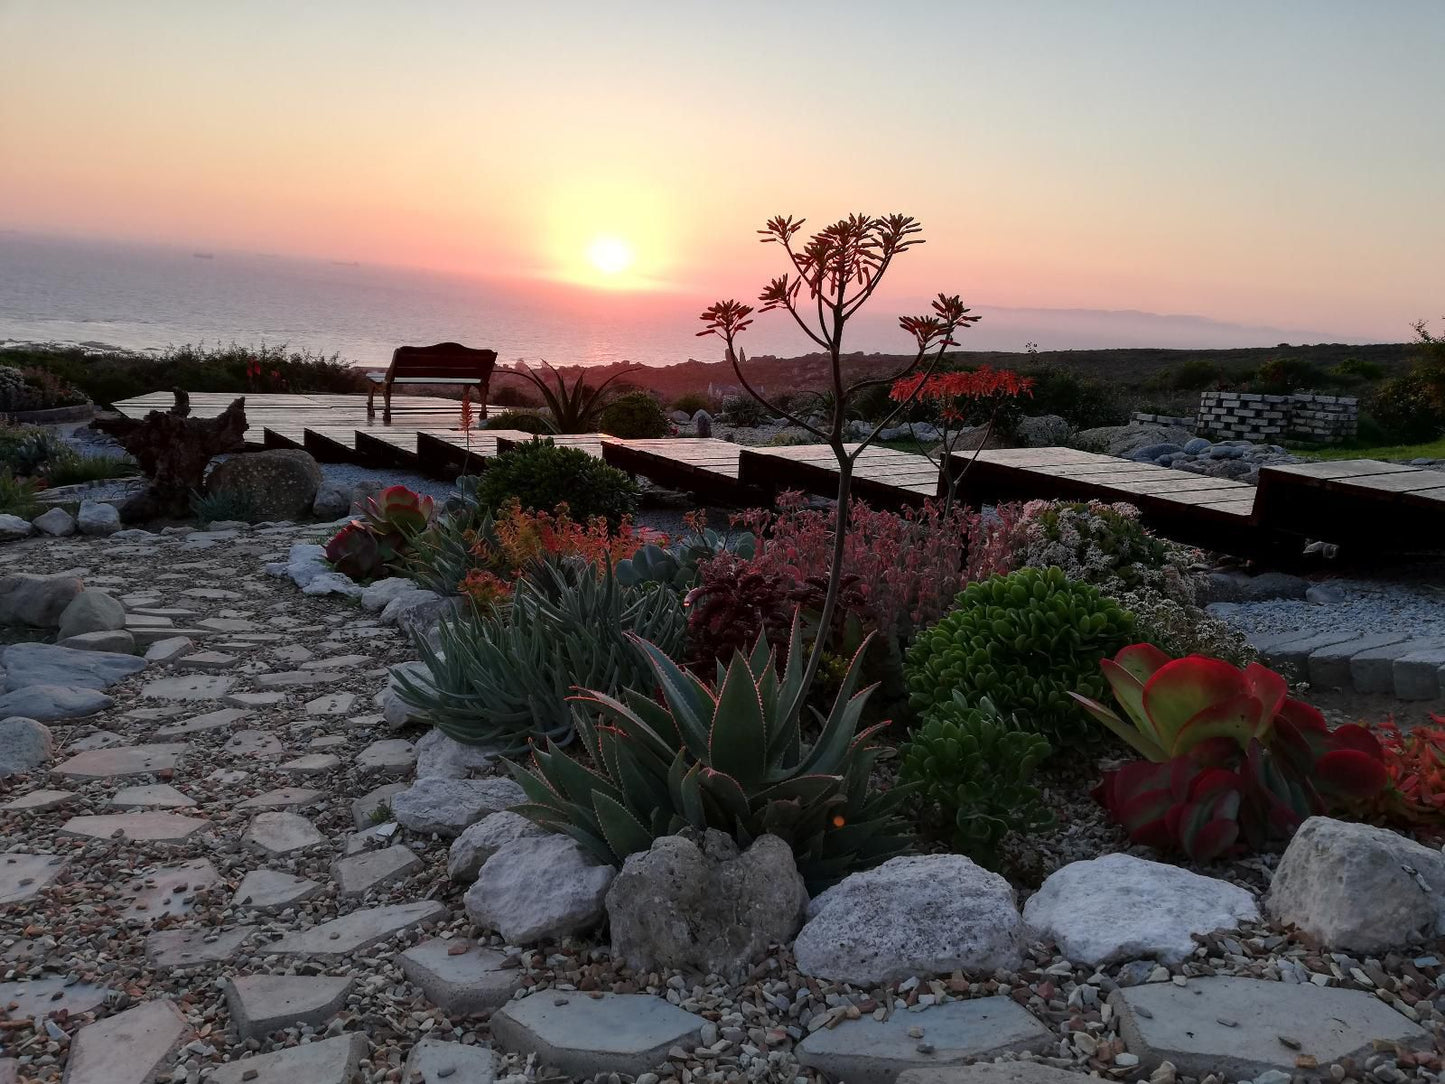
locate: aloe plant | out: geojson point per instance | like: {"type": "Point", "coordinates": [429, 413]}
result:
{"type": "Point", "coordinates": [1230, 758]}
{"type": "Point", "coordinates": [729, 757]}
{"type": "Point", "coordinates": [572, 409]}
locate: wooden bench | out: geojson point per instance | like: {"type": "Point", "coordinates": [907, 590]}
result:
{"type": "Point", "coordinates": [444, 363]}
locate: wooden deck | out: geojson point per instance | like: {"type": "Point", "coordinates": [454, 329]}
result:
{"type": "Point", "coordinates": [1362, 503]}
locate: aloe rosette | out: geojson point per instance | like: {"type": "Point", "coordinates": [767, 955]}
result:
{"type": "Point", "coordinates": [1230, 758]}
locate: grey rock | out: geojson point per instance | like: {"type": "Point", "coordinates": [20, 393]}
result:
{"type": "Point", "coordinates": [1329, 667]}
{"type": "Point", "coordinates": [1197, 446]}
{"type": "Point", "coordinates": [1231, 1026]}
{"type": "Point", "coordinates": [1417, 674]}
{"type": "Point", "coordinates": [131, 1047]}
{"type": "Point", "coordinates": [396, 711]}
{"type": "Point", "coordinates": [1119, 907]}
{"type": "Point", "coordinates": [51, 702]}
{"type": "Point", "coordinates": [447, 806]}
{"type": "Point", "coordinates": [25, 745]}
{"type": "Point", "coordinates": [585, 1036]}
{"type": "Point", "coordinates": [1241, 587]}
{"type": "Point", "coordinates": [702, 422]}
{"type": "Point", "coordinates": [441, 757]}
{"type": "Point", "coordinates": [375, 597]}
{"type": "Point", "coordinates": [539, 887]}
{"type": "Point", "coordinates": [458, 977]}
{"type": "Point", "coordinates": [332, 502]}
{"type": "Point", "coordinates": [303, 564]}
{"type": "Point", "coordinates": [681, 906]}
{"type": "Point", "coordinates": [328, 1061]}
{"type": "Point", "coordinates": [91, 611]}
{"type": "Point", "coordinates": [117, 641]}
{"type": "Point", "coordinates": [1123, 440]}
{"type": "Point", "coordinates": [57, 523]}
{"type": "Point", "coordinates": [280, 483]}
{"type": "Point", "coordinates": [415, 610]}
{"type": "Point", "coordinates": [1324, 594]}
{"type": "Point", "coordinates": [433, 1061]}
{"type": "Point", "coordinates": [868, 1051]}
{"type": "Point", "coordinates": [332, 583]}
{"type": "Point", "coordinates": [96, 518]}
{"type": "Point", "coordinates": [38, 601]}
{"type": "Point", "coordinates": [913, 915]}
{"type": "Point", "coordinates": [1373, 669]}
{"type": "Point", "coordinates": [470, 850]}
{"type": "Point", "coordinates": [48, 664]}
{"type": "Point", "coordinates": [357, 930]}
{"type": "Point", "coordinates": [1042, 431]}
{"type": "Point", "coordinates": [261, 1004]}
{"type": "Point", "coordinates": [14, 527]}
{"type": "Point", "coordinates": [1358, 888]}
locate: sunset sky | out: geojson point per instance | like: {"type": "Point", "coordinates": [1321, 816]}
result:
{"type": "Point", "coordinates": [1279, 163]}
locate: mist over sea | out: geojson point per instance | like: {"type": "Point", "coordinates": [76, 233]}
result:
{"type": "Point", "coordinates": [143, 297]}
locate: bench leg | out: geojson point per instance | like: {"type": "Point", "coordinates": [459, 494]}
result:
{"type": "Point", "coordinates": [371, 401]}
{"type": "Point", "coordinates": [386, 403]}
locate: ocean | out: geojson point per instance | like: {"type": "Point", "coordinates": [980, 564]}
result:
{"type": "Point", "coordinates": [144, 297]}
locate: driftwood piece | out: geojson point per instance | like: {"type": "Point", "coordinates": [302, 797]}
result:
{"type": "Point", "coordinates": [173, 449]}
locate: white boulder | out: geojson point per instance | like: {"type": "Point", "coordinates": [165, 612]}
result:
{"type": "Point", "coordinates": [24, 745]}
{"type": "Point", "coordinates": [97, 518]}
{"type": "Point", "coordinates": [439, 756]}
{"type": "Point", "coordinates": [1119, 907]}
{"type": "Point", "coordinates": [913, 915]}
{"type": "Point", "coordinates": [58, 523]}
{"type": "Point", "coordinates": [447, 807]}
{"type": "Point", "coordinates": [470, 850]}
{"type": "Point", "coordinates": [91, 611]}
{"type": "Point", "coordinates": [13, 527]}
{"type": "Point", "coordinates": [539, 887]}
{"type": "Point", "coordinates": [28, 599]}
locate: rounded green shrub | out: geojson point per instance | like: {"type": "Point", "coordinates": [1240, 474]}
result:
{"type": "Point", "coordinates": [1023, 641]}
{"type": "Point", "coordinates": [541, 475]}
{"type": "Point", "coordinates": [692, 401]}
{"type": "Point", "coordinates": [634, 416]}
{"type": "Point", "coordinates": [522, 421]}
{"type": "Point", "coordinates": [972, 771]}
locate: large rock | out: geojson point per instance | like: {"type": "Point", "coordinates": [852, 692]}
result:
{"type": "Point", "coordinates": [396, 711]}
{"type": "Point", "coordinates": [13, 527]}
{"type": "Point", "coordinates": [438, 756]}
{"type": "Point", "coordinates": [1042, 431]}
{"type": "Point", "coordinates": [415, 610]}
{"type": "Point", "coordinates": [50, 664]}
{"type": "Point", "coordinates": [51, 702]}
{"type": "Point", "coordinates": [447, 806]}
{"type": "Point", "coordinates": [539, 887]}
{"type": "Point", "coordinates": [279, 483]}
{"type": "Point", "coordinates": [91, 611]}
{"type": "Point", "coordinates": [97, 518]}
{"type": "Point", "coordinates": [58, 523]}
{"type": "Point", "coordinates": [914, 915]}
{"type": "Point", "coordinates": [332, 501]}
{"type": "Point", "coordinates": [375, 597]}
{"type": "Point", "coordinates": [1119, 907]}
{"type": "Point", "coordinates": [38, 601]}
{"type": "Point", "coordinates": [1357, 888]}
{"type": "Point", "coordinates": [708, 908]}
{"type": "Point", "coordinates": [24, 745]}
{"type": "Point", "coordinates": [1123, 440]}
{"type": "Point", "coordinates": [470, 850]}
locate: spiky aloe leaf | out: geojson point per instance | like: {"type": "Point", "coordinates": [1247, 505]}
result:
{"type": "Point", "coordinates": [690, 701]}
{"type": "Point", "coordinates": [624, 832]}
{"type": "Point", "coordinates": [738, 738]}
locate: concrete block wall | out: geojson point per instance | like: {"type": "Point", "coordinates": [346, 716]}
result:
{"type": "Point", "coordinates": [1266, 419]}
{"type": "Point", "coordinates": [1141, 418]}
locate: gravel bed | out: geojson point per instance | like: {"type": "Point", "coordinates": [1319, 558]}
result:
{"type": "Point", "coordinates": [1402, 598]}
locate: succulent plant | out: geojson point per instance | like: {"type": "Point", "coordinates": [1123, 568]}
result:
{"type": "Point", "coordinates": [677, 563]}
{"type": "Point", "coordinates": [1025, 641]}
{"type": "Point", "coordinates": [399, 511]}
{"type": "Point", "coordinates": [724, 757]}
{"type": "Point", "coordinates": [357, 552]}
{"type": "Point", "coordinates": [1230, 758]}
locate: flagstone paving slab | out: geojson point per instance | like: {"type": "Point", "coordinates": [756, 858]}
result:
{"type": "Point", "coordinates": [261, 1004]}
{"type": "Point", "coordinates": [128, 1048]}
{"type": "Point", "coordinates": [1232, 1026]}
{"type": "Point", "coordinates": [281, 833]}
{"type": "Point", "coordinates": [207, 660]}
{"type": "Point", "coordinates": [23, 875]}
{"type": "Point", "coordinates": [311, 764]}
{"type": "Point", "coordinates": [255, 700]}
{"type": "Point", "coordinates": [189, 687]}
{"type": "Point", "coordinates": [389, 756]}
{"type": "Point", "coordinates": [168, 949]}
{"type": "Point", "coordinates": [433, 1061]}
{"type": "Point", "coordinates": [359, 874]}
{"type": "Point", "coordinates": [272, 890]}
{"type": "Point", "coordinates": [373, 802]}
{"type": "Point", "coordinates": [286, 679]}
{"type": "Point", "coordinates": [136, 827]}
{"type": "Point", "coordinates": [150, 796]}
{"type": "Point", "coordinates": [585, 1035]}
{"type": "Point", "coordinates": [336, 662]}
{"type": "Point", "coordinates": [41, 997]}
{"type": "Point", "coordinates": [39, 801]}
{"type": "Point", "coordinates": [331, 1061]}
{"type": "Point", "coordinates": [356, 931]}
{"type": "Point", "coordinates": [869, 1051]}
{"type": "Point", "coordinates": [331, 704]}
{"type": "Point", "coordinates": [170, 890]}
{"type": "Point", "coordinates": [122, 761]}
{"type": "Point", "coordinates": [458, 977]}
{"type": "Point", "coordinates": [211, 720]}
{"type": "Point", "coordinates": [283, 798]}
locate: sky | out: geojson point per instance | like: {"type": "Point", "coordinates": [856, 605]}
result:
{"type": "Point", "coordinates": [1277, 163]}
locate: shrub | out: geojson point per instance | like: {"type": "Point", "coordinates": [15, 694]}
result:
{"type": "Point", "coordinates": [1407, 410]}
{"type": "Point", "coordinates": [573, 409]}
{"type": "Point", "coordinates": [1356, 371]}
{"type": "Point", "coordinates": [35, 389]}
{"type": "Point", "coordinates": [634, 416]}
{"type": "Point", "coordinates": [1230, 759]}
{"type": "Point", "coordinates": [727, 757]}
{"type": "Point", "coordinates": [744, 411]}
{"type": "Point", "coordinates": [1025, 641]}
{"type": "Point", "coordinates": [1082, 402]}
{"type": "Point", "coordinates": [973, 769]}
{"type": "Point", "coordinates": [230, 504]}
{"type": "Point", "coordinates": [17, 495]}
{"type": "Point", "coordinates": [541, 475]}
{"type": "Point", "coordinates": [511, 396]}
{"type": "Point", "coordinates": [73, 467]}
{"type": "Point", "coordinates": [501, 677]}
{"type": "Point", "coordinates": [678, 562]}
{"type": "Point", "coordinates": [691, 402]}
{"type": "Point", "coordinates": [524, 421]}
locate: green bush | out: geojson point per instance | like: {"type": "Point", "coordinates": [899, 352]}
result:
{"type": "Point", "coordinates": [27, 450]}
{"type": "Point", "coordinates": [1407, 410]}
{"type": "Point", "coordinates": [502, 677]}
{"type": "Point", "coordinates": [523, 421]}
{"type": "Point", "coordinates": [634, 416]}
{"type": "Point", "coordinates": [1080, 401]}
{"type": "Point", "coordinates": [542, 475]}
{"type": "Point", "coordinates": [72, 467]}
{"type": "Point", "coordinates": [973, 769]}
{"type": "Point", "coordinates": [692, 402]}
{"type": "Point", "coordinates": [1356, 371]}
{"type": "Point", "coordinates": [1024, 641]}
{"type": "Point", "coordinates": [17, 495]}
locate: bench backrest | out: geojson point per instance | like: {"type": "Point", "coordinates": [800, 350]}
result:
{"type": "Point", "coordinates": [466, 364]}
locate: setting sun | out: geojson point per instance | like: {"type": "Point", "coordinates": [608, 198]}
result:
{"type": "Point", "coordinates": [610, 255]}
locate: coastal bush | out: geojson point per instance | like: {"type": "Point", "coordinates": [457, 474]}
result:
{"type": "Point", "coordinates": [540, 475]}
{"type": "Point", "coordinates": [635, 415]}
{"type": "Point", "coordinates": [691, 402]}
{"type": "Point", "coordinates": [1083, 402]}
{"type": "Point", "coordinates": [523, 421]}
{"type": "Point", "coordinates": [34, 388]}
{"type": "Point", "coordinates": [1406, 409]}
{"type": "Point", "coordinates": [512, 397]}
{"type": "Point", "coordinates": [502, 676]}
{"type": "Point", "coordinates": [1025, 641]}
{"type": "Point", "coordinates": [1229, 759]}
{"type": "Point", "coordinates": [728, 756]}
{"type": "Point", "coordinates": [973, 769]}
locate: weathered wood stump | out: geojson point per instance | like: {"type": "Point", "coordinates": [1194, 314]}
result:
{"type": "Point", "coordinates": [173, 449]}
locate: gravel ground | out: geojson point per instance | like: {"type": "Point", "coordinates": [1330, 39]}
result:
{"type": "Point", "coordinates": [1408, 597]}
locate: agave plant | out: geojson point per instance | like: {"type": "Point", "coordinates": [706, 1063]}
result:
{"type": "Point", "coordinates": [571, 409]}
{"type": "Point", "coordinates": [727, 757]}
{"type": "Point", "coordinates": [1230, 757]}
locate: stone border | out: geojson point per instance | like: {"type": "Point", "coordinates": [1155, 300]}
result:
{"type": "Point", "coordinates": [78, 413]}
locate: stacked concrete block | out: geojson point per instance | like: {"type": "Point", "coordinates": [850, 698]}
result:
{"type": "Point", "coordinates": [1140, 417]}
{"type": "Point", "coordinates": [1324, 419]}
{"type": "Point", "coordinates": [1236, 415]}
